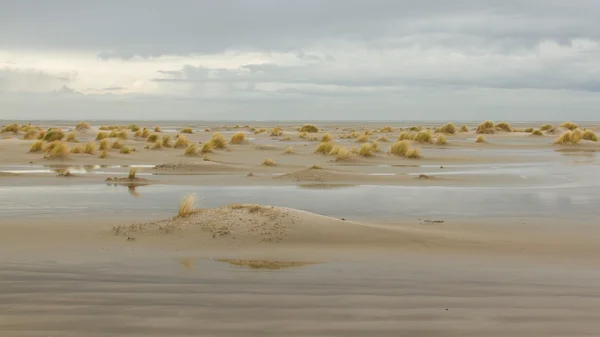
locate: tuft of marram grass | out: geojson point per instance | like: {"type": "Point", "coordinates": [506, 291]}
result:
{"type": "Point", "coordinates": [186, 130]}
{"type": "Point", "coordinates": [125, 150]}
{"type": "Point", "coordinates": [207, 147]}
{"type": "Point", "coordinates": [416, 128]}
{"type": "Point", "coordinates": [569, 125]}
{"type": "Point", "coordinates": [405, 135]}
{"type": "Point", "coordinates": [181, 142]}
{"type": "Point", "coordinates": [366, 150]}
{"type": "Point", "coordinates": [218, 141]}
{"type": "Point", "coordinates": [485, 127]}
{"type": "Point", "coordinates": [82, 126]}
{"type": "Point", "coordinates": [480, 139]}
{"type": "Point", "coordinates": [383, 139]}
{"type": "Point", "coordinates": [589, 135]}
{"type": "Point", "coordinates": [157, 129]}
{"type": "Point", "coordinates": [546, 127]}
{"type": "Point", "coordinates": [101, 135]}
{"type": "Point", "coordinates": [157, 145]}
{"type": "Point", "coordinates": [536, 133]}
{"type": "Point", "coordinates": [302, 135]}
{"type": "Point", "coordinates": [362, 139]}
{"type": "Point", "coordinates": [53, 135]}
{"type": "Point", "coordinates": [132, 173]}
{"type": "Point", "coordinates": [441, 139]}
{"type": "Point", "coordinates": [90, 148]}
{"type": "Point", "coordinates": [449, 128]}
{"type": "Point", "coordinates": [41, 135]}
{"type": "Point", "coordinates": [315, 167]}
{"type": "Point", "coordinates": [186, 205]}
{"type": "Point", "coordinates": [324, 147]}
{"type": "Point", "coordinates": [464, 128]}
{"type": "Point", "coordinates": [103, 154]}
{"type": "Point", "coordinates": [152, 138]}
{"type": "Point", "coordinates": [269, 162]}
{"type": "Point", "coordinates": [37, 146]}
{"type": "Point", "coordinates": [103, 145]}
{"type": "Point", "coordinates": [116, 145]}
{"type": "Point", "coordinates": [14, 128]}
{"type": "Point", "coordinates": [423, 136]}
{"type": "Point", "coordinates": [123, 135]}
{"type": "Point", "coordinates": [386, 129]}
{"type": "Point", "coordinates": [77, 150]}
{"type": "Point", "coordinates": [237, 138]}
{"type": "Point", "coordinates": [57, 150]}
{"type": "Point", "coordinates": [289, 150]}
{"type": "Point", "coordinates": [259, 131]}
{"type": "Point", "coordinates": [569, 137]}
{"type": "Point", "coordinates": [413, 153]}
{"type": "Point", "coordinates": [133, 127]}
{"type": "Point", "coordinates": [145, 133]}
{"type": "Point", "coordinates": [137, 134]}
{"type": "Point", "coordinates": [399, 148]}
{"type": "Point", "coordinates": [327, 138]}
{"type": "Point", "coordinates": [167, 141]}
{"type": "Point", "coordinates": [72, 137]}
{"type": "Point", "coordinates": [113, 134]}
{"type": "Point", "coordinates": [340, 152]}
{"type": "Point", "coordinates": [30, 134]}
{"type": "Point", "coordinates": [276, 131]}
{"type": "Point", "coordinates": [191, 150]}
{"type": "Point", "coordinates": [287, 138]}
{"type": "Point", "coordinates": [310, 128]}
{"type": "Point", "coordinates": [504, 127]}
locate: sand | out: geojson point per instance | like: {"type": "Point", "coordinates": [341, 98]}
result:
{"type": "Point", "coordinates": [255, 270]}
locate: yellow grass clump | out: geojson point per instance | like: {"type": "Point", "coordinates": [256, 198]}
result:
{"type": "Point", "coordinates": [569, 125]}
{"type": "Point", "coordinates": [82, 126]}
{"type": "Point", "coordinates": [116, 145]}
{"type": "Point", "coordinates": [125, 150]}
{"type": "Point", "coordinates": [569, 137]}
{"type": "Point", "coordinates": [441, 139]}
{"type": "Point", "coordinates": [366, 150]}
{"type": "Point", "coordinates": [157, 145]}
{"type": "Point", "coordinates": [187, 130]}
{"type": "Point", "coordinates": [181, 142]}
{"type": "Point", "coordinates": [186, 205]}
{"type": "Point", "coordinates": [218, 141]}
{"type": "Point", "coordinates": [327, 138]}
{"type": "Point", "coordinates": [123, 135]}
{"type": "Point", "coordinates": [103, 154]}
{"type": "Point", "coordinates": [485, 127]}
{"type": "Point", "coordinates": [237, 138]}
{"type": "Point", "coordinates": [269, 162]}
{"type": "Point", "coordinates": [528, 130]}
{"type": "Point", "coordinates": [90, 148]}
{"type": "Point", "coordinates": [112, 134]}
{"type": "Point", "coordinates": [72, 137]}
{"type": "Point", "coordinates": [152, 138]}
{"type": "Point", "coordinates": [546, 127]}
{"type": "Point", "coordinates": [383, 139]}
{"type": "Point", "coordinates": [386, 129]}
{"type": "Point", "coordinates": [504, 127]}
{"type": "Point", "coordinates": [302, 135]}
{"type": "Point", "coordinates": [480, 139]}
{"type": "Point", "coordinates": [77, 150]}
{"type": "Point", "coordinates": [376, 146]}
{"type": "Point", "coordinates": [145, 133]}
{"type": "Point", "coordinates": [30, 134]}
{"type": "Point", "coordinates": [399, 148]}
{"type": "Point", "coordinates": [413, 153]}
{"type": "Point", "coordinates": [464, 128]}
{"type": "Point", "coordinates": [57, 150]}
{"type": "Point", "coordinates": [42, 134]}
{"type": "Point", "coordinates": [589, 135]}
{"type": "Point", "coordinates": [53, 135]}
{"type": "Point", "coordinates": [166, 141]}
{"type": "Point", "coordinates": [157, 129]}
{"type": "Point", "coordinates": [340, 153]}
{"type": "Point", "coordinates": [101, 135]}
{"type": "Point", "coordinates": [289, 150]}
{"type": "Point", "coordinates": [14, 128]}
{"type": "Point", "coordinates": [260, 130]}
{"type": "Point", "coordinates": [310, 128]}
{"type": "Point", "coordinates": [137, 134]}
{"type": "Point", "coordinates": [207, 147]}
{"type": "Point", "coordinates": [448, 128]}
{"type": "Point", "coordinates": [132, 173]}
{"type": "Point", "coordinates": [423, 136]}
{"type": "Point", "coordinates": [324, 147]}
{"type": "Point", "coordinates": [103, 145]}
{"type": "Point", "coordinates": [191, 150]}
{"type": "Point", "coordinates": [133, 127]}
{"type": "Point", "coordinates": [537, 133]}
{"type": "Point", "coordinates": [416, 128]}
{"type": "Point", "coordinates": [276, 131]}
{"type": "Point", "coordinates": [404, 135]}
{"type": "Point", "coordinates": [362, 139]}
{"type": "Point", "coordinates": [37, 146]}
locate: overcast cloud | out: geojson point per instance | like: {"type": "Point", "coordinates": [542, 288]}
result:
{"type": "Point", "coordinates": [310, 59]}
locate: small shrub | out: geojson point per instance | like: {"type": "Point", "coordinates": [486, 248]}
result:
{"type": "Point", "coordinates": [423, 137]}
{"type": "Point", "coordinates": [375, 146]}
{"type": "Point", "coordinates": [207, 147]}
{"type": "Point", "coordinates": [383, 139]}
{"type": "Point", "coordinates": [125, 150]}
{"type": "Point", "coordinates": [302, 135]}
{"type": "Point", "coordinates": [123, 135]}
{"type": "Point", "coordinates": [157, 129]}
{"type": "Point", "coordinates": [157, 145]}
{"type": "Point", "coordinates": [406, 136]}
{"type": "Point", "coordinates": [101, 135]}
{"type": "Point", "coordinates": [57, 150]}
{"type": "Point", "coordinates": [315, 167]}
{"type": "Point", "coordinates": [399, 148]}
{"type": "Point", "coordinates": [259, 131]}
{"type": "Point", "coordinates": [116, 145]}
{"type": "Point", "coordinates": [528, 130]}
{"type": "Point", "coordinates": [569, 125]}
{"type": "Point", "coordinates": [413, 153]}
{"type": "Point", "coordinates": [113, 134]}
{"type": "Point", "coordinates": [82, 126]}
{"type": "Point", "coordinates": [362, 139]}
{"type": "Point", "coordinates": [340, 153]}
{"type": "Point", "coordinates": [504, 127]}
{"type": "Point", "coordinates": [137, 134]}
{"type": "Point", "coordinates": [366, 150]}
{"type": "Point", "coordinates": [41, 135]}
{"type": "Point", "coordinates": [416, 128]}
{"type": "Point", "coordinates": [166, 141]}
{"type": "Point", "coordinates": [464, 128]}
{"type": "Point", "coordinates": [186, 205]}
{"type": "Point", "coordinates": [133, 127]}
{"type": "Point", "coordinates": [441, 139]}
{"type": "Point", "coordinates": [191, 150]}
{"type": "Point", "coordinates": [537, 133]}
{"type": "Point", "coordinates": [448, 128]}
{"type": "Point", "coordinates": [218, 141]}
{"type": "Point", "coordinates": [152, 138]}
{"type": "Point", "coordinates": [485, 127]}
{"type": "Point", "coordinates": [546, 127]}
{"type": "Point", "coordinates": [30, 134]}
{"type": "Point", "coordinates": [181, 142]}
{"type": "Point", "coordinates": [103, 154]}
{"type": "Point", "coordinates": [326, 138]}
{"type": "Point", "coordinates": [132, 173]}
{"type": "Point", "coordinates": [480, 139]}
{"type": "Point", "coordinates": [310, 128]}
{"type": "Point", "coordinates": [238, 138]}
{"type": "Point", "coordinates": [72, 137]}
{"type": "Point", "coordinates": [103, 145]}
{"type": "Point", "coordinates": [145, 133]}
{"type": "Point", "coordinates": [187, 130]}
{"type": "Point", "coordinates": [54, 135]}
{"type": "Point", "coordinates": [289, 150]}
{"type": "Point", "coordinates": [269, 162]}
{"type": "Point", "coordinates": [386, 129]}
{"type": "Point", "coordinates": [77, 150]}
{"type": "Point", "coordinates": [276, 131]}
{"type": "Point", "coordinates": [589, 135]}
{"type": "Point", "coordinates": [14, 128]}
{"type": "Point", "coordinates": [90, 148]}
{"type": "Point", "coordinates": [324, 147]}
{"type": "Point", "coordinates": [37, 146]}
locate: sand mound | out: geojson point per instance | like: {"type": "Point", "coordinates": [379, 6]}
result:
{"type": "Point", "coordinates": [194, 168]}
{"type": "Point", "coordinates": [318, 175]}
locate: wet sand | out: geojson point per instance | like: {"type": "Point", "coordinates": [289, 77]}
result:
{"type": "Point", "coordinates": [88, 264]}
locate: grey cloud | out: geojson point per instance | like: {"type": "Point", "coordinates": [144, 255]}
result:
{"type": "Point", "coordinates": [31, 80]}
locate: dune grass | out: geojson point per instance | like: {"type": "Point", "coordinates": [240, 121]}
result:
{"type": "Point", "coordinates": [125, 150]}
{"type": "Point", "coordinates": [238, 138]}
{"type": "Point", "coordinates": [464, 128]}
{"type": "Point", "coordinates": [112, 134]}
{"type": "Point", "coordinates": [82, 126]}
{"type": "Point", "coordinates": [191, 150]}
{"type": "Point", "coordinates": [167, 141]}
{"type": "Point", "coordinates": [53, 135]}
{"type": "Point", "coordinates": [441, 139]}
{"type": "Point", "coordinates": [101, 135]}
{"type": "Point", "coordinates": [132, 173]}
{"type": "Point", "coordinates": [207, 147]}
{"type": "Point", "coordinates": [383, 139]}
{"type": "Point", "coordinates": [103, 154]}
{"type": "Point", "coordinates": [423, 136]}
{"type": "Point", "coordinates": [416, 128]}
{"type": "Point", "coordinates": [485, 127]}
{"type": "Point", "coordinates": [41, 135]}
{"type": "Point", "coordinates": [340, 153]}
{"type": "Point", "coordinates": [504, 127]}
{"type": "Point", "coordinates": [528, 130]}
{"type": "Point", "coordinates": [116, 145]}
{"type": "Point", "coordinates": [276, 131]}
{"type": "Point", "coordinates": [546, 127]}
{"type": "Point", "coordinates": [133, 127]}
{"type": "Point", "coordinates": [289, 150]}
{"type": "Point", "coordinates": [405, 135]}
{"type": "Point", "coordinates": [137, 134]}
{"type": "Point", "coordinates": [386, 129]}
{"type": "Point", "coordinates": [145, 133]}
{"type": "Point", "coordinates": [90, 148]}
{"type": "Point", "coordinates": [362, 139]}
{"type": "Point", "coordinates": [324, 147]}
{"type": "Point", "coordinates": [218, 141]}
{"type": "Point", "coordinates": [302, 135]}
{"type": "Point", "coordinates": [589, 135]}
{"type": "Point", "coordinates": [269, 162]}
{"type": "Point", "coordinates": [309, 128]}
{"type": "Point", "coordinates": [152, 138]}
{"type": "Point", "coordinates": [413, 153]}
{"type": "Point", "coordinates": [157, 145]}
{"type": "Point", "coordinates": [14, 128]}
{"type": "Point", "coordinates": [537, 133]}
{"type": "Point", "coordinates": [186, 205]}
{"type": "Point", "coordinates": [259, 131]}
{"type": "Point", "coordinates": [72, 137]}
{"type": "Point", "coordinates": [186, 130]}
{"type": "Point", "coordinates": [30, 134]}
{"type": "Point", "coordinates": [399, 148]}
{"type": "Point", "coordinates": [103, 145]}
{"type": "Point", "coordinates": [181, 142]}
{"type": "Point", "coordinates": [569, 137]}
{"type": "Point", "coordinates": [449, 128]}
{"type": "Point", "coordinates": [77, 150]}
{"type": "Point", "coordinates": [37, 146]}
{"type": "Point", "coordinates": [123, 135]}
{"type": "Point", "coordinates": [376, 146]}
{"type": "Point", "coordinates": [287, 138]}
{"type": "Point", "coordinates": [157, 129]}
{"type": "Point", "coordinates": [366, 150]}
{"type": "Point", "coordinates": [327, 138]}
{"type": "Point", "coordinates": [480, 139]}
{"type": "Point", "coordinates": [57, 150]}
{"type": "Point", "coordinates": [569, 125]}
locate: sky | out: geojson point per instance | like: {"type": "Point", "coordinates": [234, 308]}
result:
{"type": "Point", "coordinates": [300, 59]}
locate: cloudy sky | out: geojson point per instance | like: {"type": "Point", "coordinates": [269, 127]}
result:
{"type": "Point", "coordinates": [300, 59]}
